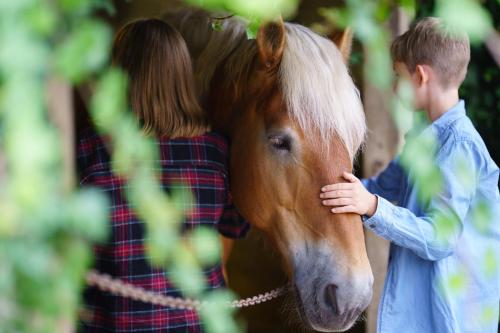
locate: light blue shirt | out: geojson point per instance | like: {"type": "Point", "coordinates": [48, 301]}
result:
{"type": "Point", "coordinates": [414, 298]}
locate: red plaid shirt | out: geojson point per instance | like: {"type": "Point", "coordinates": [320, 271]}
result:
{"type": "Point", "coordinates": [201, 163]}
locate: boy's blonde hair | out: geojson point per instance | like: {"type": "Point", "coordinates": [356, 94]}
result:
{"type": "Point", "coordinates": [430, 42]}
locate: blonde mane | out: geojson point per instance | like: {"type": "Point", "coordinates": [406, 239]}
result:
{"type": "Point", "coordinates": [319, 93]}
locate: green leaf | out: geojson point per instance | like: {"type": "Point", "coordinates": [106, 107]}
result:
{"type": "Point", "coordinates": [109, 103]}
{"type": "Point", "coordinates": [489, 315]}
{"type": "Point", "coordinates": [402, 116]}
{"type": "Point", "coordinates": [23, 55]}
{"type": "Point", "coordinates": [34, 257]}
{"type": "Point", "coordinates": [464, 173]}
{"type": "Point", "coordinates": [88, 214]}
{"type": "Point", "coordinates": [41, 18]}
{"type": "Point", "coordinates": [9, 216]}
{"type": "Point", "coordinates": [84, 51]}
{"type": "Point", "coordinates": [490, 263]}
{"type": "Point", "coordinates": [217, 25]}
{"type": "Point", "coordinates": [482, 217]}
{"type": "Point", "coordinates": [253, 28]}
{"type": "Point", "coordinates": [132, 153]}
{"type": "Point", "coordinates": [84, 7]}
{"type": "Point", "coordinates": [418, 159]}
{"type": "Point", "coordinates": [185, 271]}
{"type": "Point", "coordinates": [160, 245]}
{"type": "Point", "coordinates": [466, 15]}
{"type": "Point", "coordinates": [206, 245]}
{"type": "Point", "coordinates": [262, 9]}
{"type": "Point", "coordinates": [456, 282]}
{"type": "Point", "coordinates": [181, 198]}
{"type": "Point", "coordinates": [447, 225]}
{"type": "Point", "coordinates": [216, 317]}
{"type": "Point", "coordinates": [364, 24]}
{"type": "Point", "coordinates": [151, 204]}
{"type": "Point", "coordinates": [409, 6]}
{"type": "Point", "coordinates": [7, 281]}
{"type": "Point", "coordinates": [215, 5]}
{"type": "Point", "coordinates": [14, 7]}
{"type": "Point", "coordinates": [379, 66]}
{"type": "Point", "coordinates": [338, 17]}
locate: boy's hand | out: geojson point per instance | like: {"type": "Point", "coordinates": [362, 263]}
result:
{"type": "Point", "coordinates": [351, 197]}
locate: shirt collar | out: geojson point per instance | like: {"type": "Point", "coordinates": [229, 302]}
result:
{"type": "Point", "coordinates": [457, 111]}
{"type": "Point", "coordinates": [440, 125]}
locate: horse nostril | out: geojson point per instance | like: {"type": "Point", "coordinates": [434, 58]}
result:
{"type": "Point", "coordinates": [331, 297]}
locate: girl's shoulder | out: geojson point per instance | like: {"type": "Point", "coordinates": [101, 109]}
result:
{"type": "Point", "coordinates": [209, 149]}
{"type": "Point", "coordinates": [216, 139]}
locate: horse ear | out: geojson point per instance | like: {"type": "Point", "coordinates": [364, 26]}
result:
{"type": "Point", "coordinates": [343, 40]}
{"type": "Point", "coordinates": [271, 43]}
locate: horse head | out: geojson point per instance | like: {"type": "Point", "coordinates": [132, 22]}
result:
{"type": "Point", "coordinates": [295, 120]}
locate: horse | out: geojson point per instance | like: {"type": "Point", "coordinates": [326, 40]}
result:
{"type": "Point", "coordinates": [295, 122]}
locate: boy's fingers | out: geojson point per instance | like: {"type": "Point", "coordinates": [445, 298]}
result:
{"type": "Point", "coordinates": [349, 176]}
{"type": "Point", "coordinates": [336, 194]}
{"type": "Point", "coordinates": [338, 186]}
{"type": "Point", "coordinates": [344, 209]}
{"type": "Point", "coordinates": [338, 202]}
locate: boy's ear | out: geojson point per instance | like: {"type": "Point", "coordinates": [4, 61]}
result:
{"type": "Point", "coordinates": [343, 40]}
{"type": "Point", "coordinates": [271, 43]}
{"type": "Point", "coordinates": [422, 72]}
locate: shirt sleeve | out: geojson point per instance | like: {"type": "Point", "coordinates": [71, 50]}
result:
{"type": "Point", "coordinates": [231, 223]}
{"type": "Point", "coordinates": [387, 184]}
{"type": "Point", "coordinates": [434, 235]}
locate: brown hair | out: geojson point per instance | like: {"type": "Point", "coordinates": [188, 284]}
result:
{"type": "Point", "coordinates": [432, 43]}
{"type": "Point", "coordinates": [161, 83]}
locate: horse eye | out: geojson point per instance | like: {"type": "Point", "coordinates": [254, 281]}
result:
{"type": "Point", "coordinates": [280, 143]}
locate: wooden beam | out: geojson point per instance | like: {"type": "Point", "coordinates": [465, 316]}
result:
{"type": "Point", "coordinates": [60, 106]}
{"type": "Point", "coordinates": [493, 45]}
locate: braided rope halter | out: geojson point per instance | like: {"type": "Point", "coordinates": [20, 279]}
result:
{"type": "Point", "coordinates": [105, 282]}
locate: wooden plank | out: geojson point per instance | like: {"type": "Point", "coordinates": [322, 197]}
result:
{"type": "Point", "coordinates": [60, 107]}
{"type": "Point", "coordinates": [493, 45]}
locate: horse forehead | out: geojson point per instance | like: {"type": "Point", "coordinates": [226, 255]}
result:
{"type": "Point", "coordinates": [275, 112]}
{"type": "Point", "coordinates": [330, 156]}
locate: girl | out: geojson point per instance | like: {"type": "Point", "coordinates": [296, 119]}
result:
{"type": "Point", "coordinates": [161, 94]}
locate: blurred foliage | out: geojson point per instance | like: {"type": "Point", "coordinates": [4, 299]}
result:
{"type": "Point", "coordinates": [367, 19]}
{"type": "Point", "coordinates": [261, 9]}
{"type": "Point", "coordinates": [478, 22]}
{"type": "Point", "coordinates": [254, 11]}
{"type": "Point", "coordinates": [45, 229]}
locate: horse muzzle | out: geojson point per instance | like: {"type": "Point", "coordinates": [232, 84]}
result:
{"type": "Point", "coordinates": [331, 296]}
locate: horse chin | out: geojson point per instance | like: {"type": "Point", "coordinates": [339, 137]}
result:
{"type": "Point", "coordinates": [314, 317]}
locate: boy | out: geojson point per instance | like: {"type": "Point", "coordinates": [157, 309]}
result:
{"type": "Point", "coordinates": [417, 294]}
